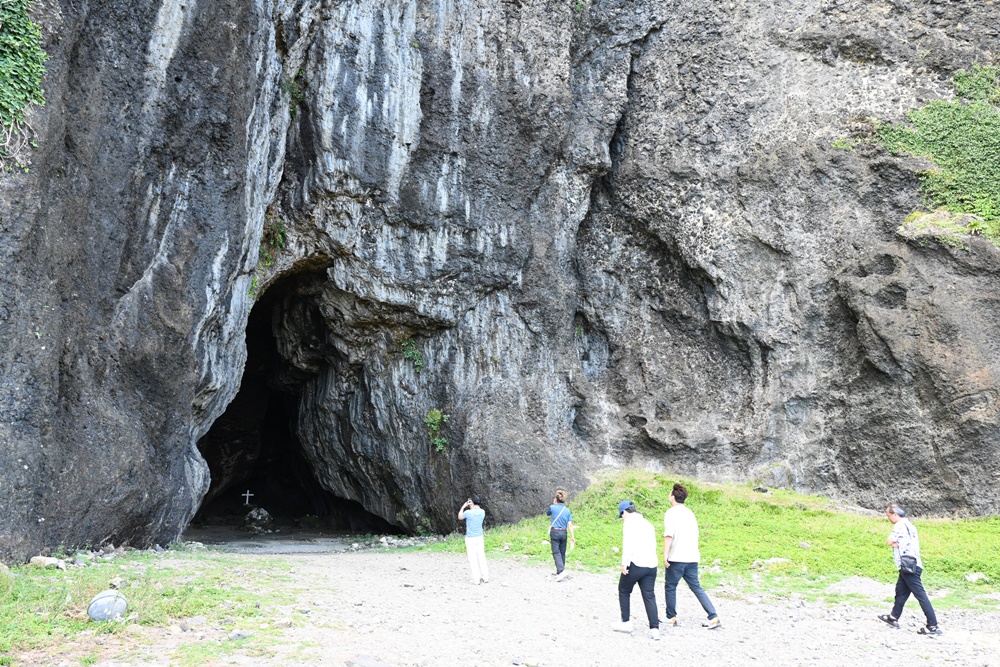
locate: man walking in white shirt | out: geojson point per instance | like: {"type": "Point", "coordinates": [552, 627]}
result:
{"type": "Point", "coordinates": [681, 556]}
{"type": "Point", "coordinates": [638, 567]}
{"type": "Point", "coordinates": [906, 552]}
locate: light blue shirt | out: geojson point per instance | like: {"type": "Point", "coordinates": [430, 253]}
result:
{"type": "Point", "coordinates": [561, 516]}
{"type": "Point", "coordinates": [474, 521]}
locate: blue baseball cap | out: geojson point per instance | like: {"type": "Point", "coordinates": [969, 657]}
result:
{"type": "Point", "coordinates": [624, 505]}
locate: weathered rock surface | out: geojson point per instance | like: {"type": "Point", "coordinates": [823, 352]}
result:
{"type": "Point", "coordinates": [615, 231]}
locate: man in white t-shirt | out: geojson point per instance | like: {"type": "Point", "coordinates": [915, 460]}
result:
{"type": "Point", "coordinates": [681, 556]}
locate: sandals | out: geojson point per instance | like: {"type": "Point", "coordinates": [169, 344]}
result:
{"type": "Point", "coordinates": [886, 618]}
{"type": "Point", "coordinates": [929, 630]}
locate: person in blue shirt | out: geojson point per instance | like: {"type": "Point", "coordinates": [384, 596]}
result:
{"type": "Point", "coordinates": [473, 515]}
{"type": "Point", "coordinates": [561, 523]}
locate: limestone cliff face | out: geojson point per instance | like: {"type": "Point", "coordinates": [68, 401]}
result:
{"type": "Point", "coordinates": [615, 232]}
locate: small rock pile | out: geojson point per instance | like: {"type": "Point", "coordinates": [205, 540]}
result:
{"type": "Point", "coordinates": [85, 558]}
{"type": "Point", "coordinates": [393, 542]}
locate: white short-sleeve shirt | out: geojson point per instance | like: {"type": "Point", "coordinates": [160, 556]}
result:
{"type": "Point", "coordinates": [680, 524]}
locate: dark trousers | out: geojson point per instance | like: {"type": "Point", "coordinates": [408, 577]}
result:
{"type": "Point", "coordinates": [910, 583]}
{"type": "Point", "coordinates": [689, 573]}
{"type": "Point", "coordinates": [646, 578]}
{"type": "Point", "coordinates": [557, 538]}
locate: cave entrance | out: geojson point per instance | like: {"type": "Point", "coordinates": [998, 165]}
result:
{"type": "Point", "coordinates": [253, 446]}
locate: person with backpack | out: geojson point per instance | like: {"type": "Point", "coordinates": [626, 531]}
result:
{"type": "Point", "coordinates": [906, 552]}
{"type": "Point", "coordinates": [561, 530]}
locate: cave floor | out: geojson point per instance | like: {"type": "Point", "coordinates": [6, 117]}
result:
{"type": "Point", "coordinates": [286, 540]}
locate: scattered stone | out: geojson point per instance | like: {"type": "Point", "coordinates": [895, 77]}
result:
{"type": "Point", "coordinates": [240, 634]}
{"type": "Point", "coordinates": [761, 489]}
{"type": "Point", "coordinates": [117, 582]}
{"type": "Point", "coordinates": [616, 549]}
{"type": "Point", "coordinates": [532, 662]}
{"type": "Point", "coordinates": [284, 623]}
{"type": "Point", "coordinates": [768, 563]}
{"type": "Point", "coordinates": [805, 545]}
{"type": "Point", "coordinates": [47, 561]}
{"type": "Point", "coordinates": [107, 606]}
{"type": "Point", "coordinates": [976, 577]}
{"type": "Point", "coordinates": [365, 661]}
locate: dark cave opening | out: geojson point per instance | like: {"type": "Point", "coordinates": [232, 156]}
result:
{"type": "Point", "coordinates": [253, 446]}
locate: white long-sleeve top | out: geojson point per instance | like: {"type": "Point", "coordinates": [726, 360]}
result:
{"type": "Point", "coordinates": [638, 541]}
{"type": "Point", "coordinates": [905, 533]}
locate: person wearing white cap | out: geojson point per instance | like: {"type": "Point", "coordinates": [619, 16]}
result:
{"type": "Point", "coordinates": [639, 564]}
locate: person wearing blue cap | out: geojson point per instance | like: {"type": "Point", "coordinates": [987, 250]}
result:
{"type": "Point", "coordinates": [639, 564]}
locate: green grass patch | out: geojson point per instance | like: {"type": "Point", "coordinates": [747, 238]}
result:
{"type": "Point", "coordinates": [739, 527]}
{"type": "Point", "coordinates": [962, 138]}
{"type": "Point", "coordinates": [47, 607]}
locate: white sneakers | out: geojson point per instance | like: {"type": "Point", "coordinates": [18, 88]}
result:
{"type": "Point", "coordinates": [622, 626]}
{"type": "Point", "coordinates": [713, 624]}
{"type": "Point", "coordinates": [562, 575]}
{"type": "Point", "coordinates": [626, 626]}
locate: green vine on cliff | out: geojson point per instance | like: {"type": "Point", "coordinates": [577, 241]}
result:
{"type": "Point", "coordinates": [411, 352]}
{"type": "Point", "coordinates": [962, 138]}
{"type": "Point", "coordinates": [293, 89]}
{"type": "Point", "coordinates": [272, 240]}
{"type": "Point", "coordinates": [434, 420]}
{"type": "Point", "coordinates": [21, 68]}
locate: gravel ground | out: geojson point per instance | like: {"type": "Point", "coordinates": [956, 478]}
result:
{"type": "Point", "coordinates": [376, 608]}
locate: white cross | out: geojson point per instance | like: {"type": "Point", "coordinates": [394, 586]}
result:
{"type": "Point", "coordinates": [247, 495]}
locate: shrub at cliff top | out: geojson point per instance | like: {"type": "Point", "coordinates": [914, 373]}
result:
{"type": "Point", "coordinates": [962, 139]}
{"type": "Point", "coordinates": [740, 526]}
{"type": "Point", "coordinates": [21, 69]}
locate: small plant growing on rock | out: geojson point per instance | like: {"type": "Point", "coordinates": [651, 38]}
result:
{"type": "Point", "coordinates": [411, 352]}
{"type": "Point", "coordinates": [434, 420]}
{"type": "Point", "coordinates": [293, 89]}
{"type": "Point", "coordinates": [272, 241]}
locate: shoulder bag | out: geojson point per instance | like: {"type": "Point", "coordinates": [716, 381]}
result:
{"type": "Point", "coordinates": [907, 563]}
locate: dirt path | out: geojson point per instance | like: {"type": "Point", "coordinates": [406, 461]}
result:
{"type": "Point", "coordinates": [396, 609]}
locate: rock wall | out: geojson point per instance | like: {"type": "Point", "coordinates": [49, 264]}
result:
{"type": "Point", "coordinates": [615, 230]}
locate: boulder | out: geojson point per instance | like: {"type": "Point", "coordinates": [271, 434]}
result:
{"type": "Point", "coordinates": [107, 605]}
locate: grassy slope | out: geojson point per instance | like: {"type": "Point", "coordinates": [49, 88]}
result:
{"type": "Point", "coordinates": [740, 526]}
{"type": "Point", "coordinates": [45, 607]}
